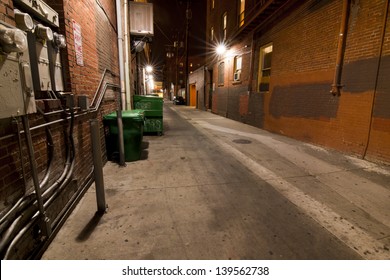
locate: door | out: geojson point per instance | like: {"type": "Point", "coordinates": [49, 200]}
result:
{"type": "Point", "coordinates": [192, 95]}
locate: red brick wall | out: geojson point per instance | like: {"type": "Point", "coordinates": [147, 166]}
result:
{"type": "Point", "coordinates": [379, 137]}
{"type": "Point", "coordinates": [304, 56]}
{"type": "Point", "coordinates": [7, 11]}
{"type": "Point", "coordinates": [299, 103]}
{"type": "Point", "coordinates": [99, 38]}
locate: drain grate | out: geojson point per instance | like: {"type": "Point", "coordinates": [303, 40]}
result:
{"type": "Point", "coordinates": [242, 141]}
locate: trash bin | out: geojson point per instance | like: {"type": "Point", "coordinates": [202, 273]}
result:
{"type": "Point", "coordinates": [153, 109]}
{"type": "Point", "coordinates": [133, 126]}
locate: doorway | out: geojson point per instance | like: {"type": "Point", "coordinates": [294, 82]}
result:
{"type": "Point", "coordinates": [192, 95]}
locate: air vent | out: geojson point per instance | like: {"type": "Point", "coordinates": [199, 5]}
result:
{"type": "Point", "coordinates": [141, 19]}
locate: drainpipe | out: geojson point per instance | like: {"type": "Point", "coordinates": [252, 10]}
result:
{"type": "Point", "coordinates": [377, 76]}
{"type": "Point", "coordinates": [251, 67]}
{"type": "Point", "coordinates": [122, 86]}
{"type": "Point", "coordinates": [336, 85]}
{"type": "Point", "coordinates": [127, 62]}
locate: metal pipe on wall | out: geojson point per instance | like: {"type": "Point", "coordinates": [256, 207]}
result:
{"type": "Point", "coordinates": [120, 52]}
{"type": "Point", "coordinates": [129, 104]}
{"type": "Point", "coordinates": [336, 85]}
{"type": "Point", "coordinates": [122, 87]}
{"type": "Point", "coordinates": [98, 166]}
{"type": "Point", "coordinates": [45, 220]}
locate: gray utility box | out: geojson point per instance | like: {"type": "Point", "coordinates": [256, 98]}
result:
{"type": "Point", "coordinates": [16, 87]}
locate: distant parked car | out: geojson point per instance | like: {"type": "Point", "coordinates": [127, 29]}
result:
{"type": "Point", "coordinates": [179, 100]}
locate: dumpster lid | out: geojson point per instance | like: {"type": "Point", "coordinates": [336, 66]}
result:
{"type": "Point", "coordinates": [137, 115]}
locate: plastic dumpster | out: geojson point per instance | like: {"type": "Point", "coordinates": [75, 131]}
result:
{"type": "Point", "coordinates": [133, 126]}
{"type": "Point", "coordinates": [153, 108]}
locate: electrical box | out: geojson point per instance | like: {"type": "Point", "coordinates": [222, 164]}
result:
{"type": "Point", "coordinates": [16, 87]}
{"type": "Point", "coordinates": [43, 65]}
{"type": "Point", "coordinates": [44, 45]}
{"type": "Point", "coordinates": [40, 9]}
{"type": "Point", "coordinates": [141, 19]}
{"type": "Point", "coordinates": [58, 77]}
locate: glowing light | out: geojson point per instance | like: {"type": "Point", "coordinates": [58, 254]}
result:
{"type": "Point", "coordinates": [149, 69]}
{"type": "Point", "coordinates": [221, 49]}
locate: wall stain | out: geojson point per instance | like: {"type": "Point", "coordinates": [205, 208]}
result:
{"type": "Point", "coordinates": [304, 100]}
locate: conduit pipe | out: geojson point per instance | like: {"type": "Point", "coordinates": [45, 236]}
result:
{"type": "Point", "coordinates": [45, 220]}
{"type": "Point", "coordinates": [45, 199]}
{"type": "Point", "coordinates": [336, 85]}
{"type": "Point", "coordinates": [50, 200]}
{"type": "Point", "coordinates": [24, 202]}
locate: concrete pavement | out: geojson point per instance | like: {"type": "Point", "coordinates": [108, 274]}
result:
{"type": "Point", "coordinates": [213, 188]}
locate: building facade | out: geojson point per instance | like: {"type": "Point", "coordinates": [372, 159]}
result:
{"type": "Point", "coordinates": [45, 152]}
{"type": "Point", "coordinates": [312, 70]}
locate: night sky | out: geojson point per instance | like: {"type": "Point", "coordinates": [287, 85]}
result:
{"type": "Point", "coordinates": [169, 21]}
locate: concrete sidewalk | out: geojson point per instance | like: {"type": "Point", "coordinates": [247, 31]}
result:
{"type": "Point", "coordinates": [160, 207]}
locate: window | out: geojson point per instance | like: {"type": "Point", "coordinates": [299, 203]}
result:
{"type": "Point", "coordinates": [237, 68]}
{"type": "Point", "coordinates": [265, 67]}
{"type": "Point", "coordinates": [212, 4]}
{"type": "Point", "coordinates": [221, 73]}
{"type": "Point", "coordinates": [212, 34]}
{"type": "Point", "coordinates": [241, 14]}
{"type": "Point", "coordinates": [224, 25]}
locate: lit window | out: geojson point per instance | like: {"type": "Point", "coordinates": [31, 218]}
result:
{"type": "Point", "coordinates": [212, 34]}
{"type": "Point", "coordinates": [237, 68]}
{"type": "Point", "coordinates": [265, 67]}
{"type": "Point", "coordinates": [212, 4]}
{"type": "Point", "coordinates": [241, 16]}
{"type": "Point", "coordinates": [224, 25]}
{"type": "Point", "coordinates": [221, 73]}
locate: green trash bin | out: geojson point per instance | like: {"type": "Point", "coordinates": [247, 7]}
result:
{"type": "Point", "coordinates": [133, 126]}
{"type": "Point", "coordinates": [153, 108]}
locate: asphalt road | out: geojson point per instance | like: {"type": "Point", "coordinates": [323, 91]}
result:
{"type": "Point", "coordinates": [212, 188]}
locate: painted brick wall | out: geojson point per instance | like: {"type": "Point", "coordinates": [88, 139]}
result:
{"type": "Point", "coordinates": [379, 137]}
{"type": "Point", "coordinates": [299, 103]}
{"type": "Point", "coordinates": [305, 46]}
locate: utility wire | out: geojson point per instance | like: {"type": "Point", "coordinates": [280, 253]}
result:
{"type": "Point", "coordinates": [162, 31]}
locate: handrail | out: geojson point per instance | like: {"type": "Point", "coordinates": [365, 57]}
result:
{"type": "Point", "coordinates": [100, 98]}
{"type": "Point", "coordinates": [100, 84]}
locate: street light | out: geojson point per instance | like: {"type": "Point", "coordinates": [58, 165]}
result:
{"type": "Point", "coordinates": [149, 69]}
{"type": "Point", "coordinates": [221, 49]}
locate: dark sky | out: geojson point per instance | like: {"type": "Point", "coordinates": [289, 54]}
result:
{"type": "Point", "coordinates": [169, 21]}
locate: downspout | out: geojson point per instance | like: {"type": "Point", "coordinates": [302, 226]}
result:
{"type": "Point", "coordinates": [127, 62]}
{"type": "Point", "coordinates": [251, 67]}
{"type": "Point", "coordinates": [377, 75]}
{"type": "Point", "coordinates": [336, 85]}
{"type": "Point", "coordinates": [122, 86]}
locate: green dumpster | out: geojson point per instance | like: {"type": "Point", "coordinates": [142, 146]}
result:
{"type": "Point", "coordinates": [133, 126]}
{"type": "Point", "coordinates": [153, 108]}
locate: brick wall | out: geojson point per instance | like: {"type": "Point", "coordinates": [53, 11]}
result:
{"type": "Point", "coordinates": [7, 11]}
{"type": "Point", "coordinates": [299, 103]}
{"type": "Point", "coordinates": [98, 26]}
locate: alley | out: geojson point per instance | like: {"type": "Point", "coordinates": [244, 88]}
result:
{"type": "Point", "coordinates": [213, 188]}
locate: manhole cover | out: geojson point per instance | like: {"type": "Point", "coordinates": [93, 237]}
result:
{"type": "Point", "coordinates": [242, 141]}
